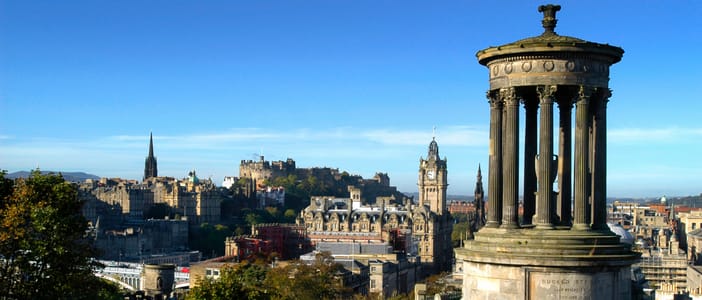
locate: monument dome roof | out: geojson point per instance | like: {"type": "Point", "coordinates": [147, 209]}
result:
{"type": "Point", "coordinates": [550, 42]}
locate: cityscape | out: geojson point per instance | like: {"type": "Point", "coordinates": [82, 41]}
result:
{"type": "Point", "coordinates": [556, 176]}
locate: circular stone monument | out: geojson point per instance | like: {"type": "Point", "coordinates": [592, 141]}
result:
{"type": "Point", "coordinates": [561, 248]}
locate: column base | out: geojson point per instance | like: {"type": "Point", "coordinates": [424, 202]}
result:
{"type": "Point", "coordinates": [509, 226]}
{"type": "Point", "coordinates": [492, 224]}
{"type": "Point", "coordinates": [544, 227]}
{"type": "Point", "coordinates": [581, 227]}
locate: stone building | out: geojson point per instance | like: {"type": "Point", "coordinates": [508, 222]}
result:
{"type": "Point", "coordinates": [199, 200]}
{"type": "Point", "coordinates": [562, 247]}
{"type": "Point", "coordinates": [139, 241]}
{"type": "Point", "coordinates": [422, 229]}
{"type": "Point", "coordinates": [331, 178]}
{"type": "Point", "coordinates": [262, 169]}
{"type": "Point", "coordinates": [665, 271]}
{"type": "Point", "coordinates": [150, 167]}
{"type": "Point", "coordinates": [287, 241]}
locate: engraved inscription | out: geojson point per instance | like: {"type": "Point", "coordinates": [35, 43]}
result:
{"type": "Point", "coordinates": [573, 286]}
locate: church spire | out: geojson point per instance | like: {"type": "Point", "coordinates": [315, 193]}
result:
{"type": "Point", "coordinates": [479, 202]}
{"type": "Point", "coordinates": [479, 183]}
{"type": "Point", "coordinates": [151, 144]}
{"type": "Point", "coordinates": [150, 168]}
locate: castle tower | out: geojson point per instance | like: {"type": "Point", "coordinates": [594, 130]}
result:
{"type": "Point", "coordinates": [432, 180]}
{"type": "Point", "coordinates": [150, 169]}
{"type": "Point", "coordinates": [557, 250]}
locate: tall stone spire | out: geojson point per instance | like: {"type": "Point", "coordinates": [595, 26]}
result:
{"type": "Point", "coordinates": [479, 201]}
{"type": "Point", "coordinates": [151, 144]}
{"type": "Point", "coordinates": [150, 168]}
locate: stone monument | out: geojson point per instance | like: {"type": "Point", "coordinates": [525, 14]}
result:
{"type": "Point", "coordinates": [158, 280]}
{"type": "Point", "coordinates": [556, 250]}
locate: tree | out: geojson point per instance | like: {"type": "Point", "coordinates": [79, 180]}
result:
{"type": "Point", "coordinates": [209, 239]}
{"type": "Point", "coordinates": [242, 281]}
{"type": "Point", "coordinates": [42, 246]}
{"type": "Point", "coordinates": [290, 215]}
{"type": "Point", "coordinates": [320, 280]}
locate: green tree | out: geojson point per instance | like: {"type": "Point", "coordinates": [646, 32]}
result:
{"type": "Point", "coordinates": [320, 280]}
{"type": "Point", "coordinates": [290, 215]}
{"type": "Point", "coordinates": [242, 281]}
{"type": "Point", "coordinates": [209, 239]}
{"type": "Point", "coordinates": [42, 245]}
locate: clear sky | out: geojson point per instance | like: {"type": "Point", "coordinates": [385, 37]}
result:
{"type": "Point", "coordinates": [356, 85]}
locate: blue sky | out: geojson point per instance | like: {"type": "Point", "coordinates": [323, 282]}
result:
{"type": "Point", "coordinates": [356, 85]}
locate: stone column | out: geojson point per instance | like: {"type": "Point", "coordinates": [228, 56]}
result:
{"type": "Point", "coordinates": [510, 162]}
{"type": "Point", "coordinates": [582, 166]}
{"type": "Point", "coordinates": [530, 142]}
{"type": "Point", "coordinates": [564, 156]}
{"type": "Point", "coordinates": [495, 173]}
{"type": "Point", "coordinates": [599, 173]}
{"type": "Point", "coordinates": [544, 195]}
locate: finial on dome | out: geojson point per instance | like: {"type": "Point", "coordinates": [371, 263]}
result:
{"type": "Point", "coordinates": [549, 21]}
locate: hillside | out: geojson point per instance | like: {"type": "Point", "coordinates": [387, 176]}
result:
{"type": "Point", "coordinates": [69, 176]}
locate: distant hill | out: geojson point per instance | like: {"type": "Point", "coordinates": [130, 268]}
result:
{"type": "Point", "coordinates": [69, 176]}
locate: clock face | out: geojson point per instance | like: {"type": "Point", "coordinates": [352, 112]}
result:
{"type": "Point", "coordinates": [430, 174]}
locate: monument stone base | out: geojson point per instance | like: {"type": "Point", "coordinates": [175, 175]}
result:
{"type": "Point", "coordinates": [546, 264]}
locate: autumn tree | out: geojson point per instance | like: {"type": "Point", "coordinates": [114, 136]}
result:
{"type": "Point", "coordinates": [43, 252]}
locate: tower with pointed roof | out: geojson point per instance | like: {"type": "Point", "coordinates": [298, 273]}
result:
{"type": "Point", "coordinates": [150, 169]}
{"type": "Point", "coordinates": [479, 201]}
{"type": "Point", "coordinates": [432, 180]}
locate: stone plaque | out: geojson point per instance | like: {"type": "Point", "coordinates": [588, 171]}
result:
{"type": "Point", "coordinates": [571, 286]}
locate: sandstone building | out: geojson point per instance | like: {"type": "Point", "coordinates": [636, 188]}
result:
{"type": "Point", "coordinates": [422, 229]}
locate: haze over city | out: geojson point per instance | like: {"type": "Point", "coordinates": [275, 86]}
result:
{"type": "Point", "coordinates": [357, 86]}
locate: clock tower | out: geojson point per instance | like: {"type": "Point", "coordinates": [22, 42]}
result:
{"type": "Point", "coordinates": [432, 180]}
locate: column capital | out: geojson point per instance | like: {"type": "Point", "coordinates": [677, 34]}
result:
{"type": "Point", "coordinates": [509, 96]}
{"type": "Point", "coordinates": [584, 93]}
{"type": "Point", "coordinates": [546, 93]}
{"type": "Point", "coordinates": [605, 94]}
{"type": "Point", "coordinates": [494, 98]}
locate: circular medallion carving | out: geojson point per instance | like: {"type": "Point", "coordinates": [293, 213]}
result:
{"type": "Point", "coordinates": [570, 66]}
{"type": "Point", "coordinates": [508, 68]}
{"type": "Point", "coordinates": [526, 66]}
{"type": "Point", "coordinates": [495, 70]}
{"type": "Point", "coordinates": [548, 65]}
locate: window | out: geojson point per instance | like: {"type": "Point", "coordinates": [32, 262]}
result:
{"type": "Point", "coordinates": [373, 283]}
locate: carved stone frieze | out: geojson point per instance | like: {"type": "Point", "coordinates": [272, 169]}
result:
{"type": "Point", "coordinates": [548, 70]}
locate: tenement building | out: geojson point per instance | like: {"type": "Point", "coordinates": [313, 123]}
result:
{"type": "Point", "coordinates": [198, 200]}
{"type": "Point", "coordinates": [422, 229]}
{"type": "Point", "coordinates": [561, 248]}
